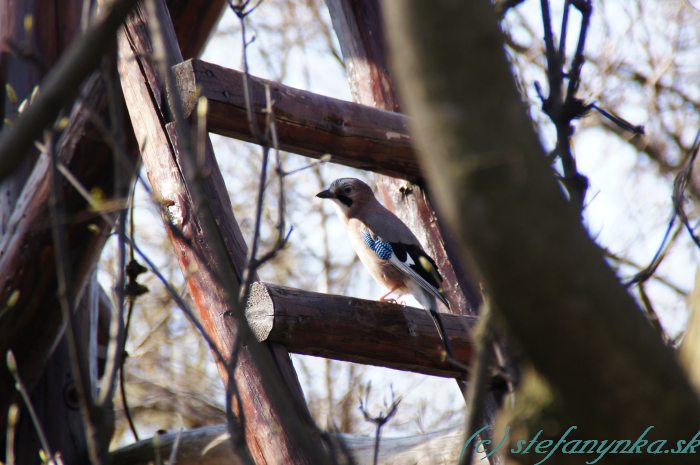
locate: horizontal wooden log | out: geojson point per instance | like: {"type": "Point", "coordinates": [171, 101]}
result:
{"type": "Point", "coordinates": [357, 330]}
{"type": "Point", "coordinates": [210, 445]}
{"type": "Point", "coordinates": [307, 123]}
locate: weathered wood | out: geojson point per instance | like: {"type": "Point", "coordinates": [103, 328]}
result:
{"type": "Point", "coordinates": [194, 22]}
{"type": "Point", "coordinates": [357, 330]}
{"type": "Point", "coordinates": [307, 123]}
{"type": "Point", "coordinates": [61, 85]}
{"type": "Point", "coordinates": [34, 324]}
{"type": "Point", "coordinates": [358, 25]}
{"type": "Point", "coordinates": [210, 445]}
{"type": "Point", "coordinates": [268, 438]}
{"type": "Point", "coordinates": [54, 27]}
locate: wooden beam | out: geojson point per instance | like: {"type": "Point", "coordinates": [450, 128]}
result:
{"type": "Point", "coordinates": [357, 330]}
{"type": "Point", "coordinates": [33, 326]}
{"type": "Point", "coordinates": [358, 25]}
{"type": "Point", "coordinates": [209, 445]}
{"type": "Point", "coordinates": [307, 123]}
{"type": "Point", "coordinates": [278, 426]}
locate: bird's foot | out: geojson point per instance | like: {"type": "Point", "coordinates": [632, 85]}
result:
{"type": "Point", "coordinates": [386, 298]}
{"type": "Point", "coordinates": [390, 300]}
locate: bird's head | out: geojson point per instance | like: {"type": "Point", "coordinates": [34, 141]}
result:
{"type": "Point", "coordinates": [348, 194]}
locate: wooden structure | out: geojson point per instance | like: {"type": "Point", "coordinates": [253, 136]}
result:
{"type": "Point", "coordinates": [367, 134]}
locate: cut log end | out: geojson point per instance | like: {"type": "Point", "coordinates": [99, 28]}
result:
{"type": "Point", "coordinates": [260, 311]}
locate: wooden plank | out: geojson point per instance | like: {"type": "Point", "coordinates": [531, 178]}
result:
{"type": "Point", "coordinates": [357, 330]}
{"type": "Point", "coordinates": [308, 124]}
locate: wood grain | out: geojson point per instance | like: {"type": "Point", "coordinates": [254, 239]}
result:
{"type": "Point", "coordinates": [357, 330]}
{"type": "Point", "coordinates": [308, 124]}
{"type": "Point", "coordinates": [266, 435]}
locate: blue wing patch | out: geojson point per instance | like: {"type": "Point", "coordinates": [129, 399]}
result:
{"type": "Point", "coordinates": [377, 245]}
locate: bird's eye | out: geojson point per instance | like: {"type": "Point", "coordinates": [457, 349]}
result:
{"type": "Point", "coordinates": [347, 190]}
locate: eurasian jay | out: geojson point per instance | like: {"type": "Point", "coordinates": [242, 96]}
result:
{"type": "Point", "coordinates": [387, 247]}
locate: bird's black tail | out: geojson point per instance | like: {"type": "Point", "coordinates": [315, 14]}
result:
{"type": "Point", "coordinates": [437, 319]}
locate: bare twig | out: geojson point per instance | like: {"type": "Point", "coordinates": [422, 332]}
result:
{"type": "Point", "coordinates": [562, 108]}
{"type": "Point", "coordinates": [116, 329]}
{"type": "Point", "coordinates": [680, 185]}
{"type": "Point", "coordinates": [668, 239]}
{"type": "Point", "coordinates": [96, 451]}
{"type": "Point", "coordinates": [380, 419]}
{"type": "Point", "coordinates": [122, 381]}
{"type": "Point", "coordinates": [626, 261]}
{"type": "Point", "coordinates": [19, 385]}
{"type": "Point", "coordinates": [651, 313]}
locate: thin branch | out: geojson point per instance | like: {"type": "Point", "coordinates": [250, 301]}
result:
{"type": "Point", "coordinates": [116, 329]}
{"type": "Point", "coordinates": [563, 109]}
{"type": "Point", "coordinates": [661, 252]}
{"type": "Point", "coordinates": [626, 261]}
{"type": "Point", "coordinates": [680, 185]}
{"type": "Point", "coordinates": [651, 313]}
{"type": "Point", "coordinates": [122, 381]}
{"type": "Point", "coordinates": [380, 419]}
{"type": "Point", "coordinates": [19, 385]}
{"type": "Point", "coordinates": [96, 451]}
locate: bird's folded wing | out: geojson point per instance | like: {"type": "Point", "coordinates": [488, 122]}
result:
{"type": "Point", "coordinates": [415, 263]}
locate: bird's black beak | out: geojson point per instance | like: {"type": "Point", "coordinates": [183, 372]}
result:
{"type": "Point", "coordinates": [327, 194]}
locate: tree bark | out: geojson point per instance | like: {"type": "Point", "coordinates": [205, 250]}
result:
{"type": "Point", "coordinates": [307, 123]}
{"type": "Point", "coordinates": [548, 280]}
{"type": "Point", "coordinates": [358, 25]}
{"type": "Point", "coordinates": [33, 326]}
{"type": "Point", "coordinates": [357, 330]}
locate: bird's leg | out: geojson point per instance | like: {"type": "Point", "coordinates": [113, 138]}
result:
{"type": "Point", "coordinates": [385, 299]}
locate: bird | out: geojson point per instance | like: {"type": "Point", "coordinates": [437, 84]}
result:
{"type": "Point", "coordinates": [387, 248]}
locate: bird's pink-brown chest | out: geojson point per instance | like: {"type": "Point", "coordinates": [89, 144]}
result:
{"type": "Point", "coordinates": [381, 270]}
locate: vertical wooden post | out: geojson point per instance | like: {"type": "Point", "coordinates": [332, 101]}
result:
{"type": "Point", "coordinates": [359, 26]}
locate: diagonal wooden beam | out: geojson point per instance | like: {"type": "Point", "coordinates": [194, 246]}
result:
{"type": "Point", "coordinates": [308, 124]}
{"type": "Point", "coordinates": [210, 248]}
{"type": "Point", "coordinates": [358, 330]}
